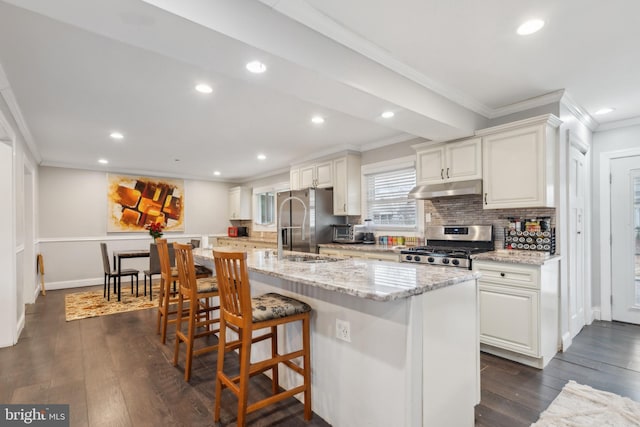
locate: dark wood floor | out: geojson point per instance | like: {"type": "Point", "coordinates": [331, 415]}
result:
{"type": "Point", "coordinates": [603, 355]}
{"type": "Point", "coordinates": [112, 370]}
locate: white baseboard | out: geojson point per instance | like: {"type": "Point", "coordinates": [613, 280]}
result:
{"type": "Point", "coordinates": [69, 284]}
{"type": "Point", "coordinates": [36, 293]}
{"type": "Point", "coordinates": [20, 325]}
{"type": "Point", "coordinates": [566, 341]}
{"type": "Point", "coordinates": [597, 314]}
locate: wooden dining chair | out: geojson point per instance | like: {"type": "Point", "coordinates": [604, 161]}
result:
{"type": "Point", "coordinates": [199, 319]}
{"type": "Point", "coordinates": [246, 315]}
{"type": "Point", "coordinates": [115, 274]}
{"type": "Point", "coordinates": [168, 298]}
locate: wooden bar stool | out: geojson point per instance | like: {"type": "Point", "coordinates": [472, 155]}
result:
{"type": "Point", "coordinates": [198, 292]}
{"type": "Point", "coordinates": [167, 298]}
{"type": "Point", "coordinates": [239, 311]}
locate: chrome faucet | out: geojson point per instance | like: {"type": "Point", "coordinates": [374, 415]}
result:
{"type": "Point", "coordinates": [280, 227]}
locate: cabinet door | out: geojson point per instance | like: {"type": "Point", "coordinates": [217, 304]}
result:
{"type": "Point", "coordinates": [324, 175]}
{"type": "Point", "coordinates": [307, 176]}
{"type": "Point", "coordinates": [340, 187]}
{"type": "Point", "coordinates": [463, 160]}
{"type": "Point", "coordinates": [430, 168]}
{"type": "Point", "coordinates": [509, 318]}
{"type": "Point", "coordinates": [514, 169]}
{"type": "Point", "coordinates": [234, 203]}
{"type": "Point", "coordinates": [294, 179]}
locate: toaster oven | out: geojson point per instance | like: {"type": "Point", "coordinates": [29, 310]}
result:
{"type": "Point", "coordinates": [346, 233]}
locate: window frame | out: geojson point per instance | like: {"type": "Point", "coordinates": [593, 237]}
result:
{"type": "Point", "coordinates": [390, 166]}
{"type": "Point", "coordinates": [275, 189]}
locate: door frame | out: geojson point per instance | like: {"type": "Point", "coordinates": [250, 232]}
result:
{"type": "Point", "coordinates": [583, 148]}
{"type": "Point", "coordinates": [605, 227]}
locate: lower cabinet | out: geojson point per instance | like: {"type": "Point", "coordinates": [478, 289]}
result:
{"type": "Point", "coordinates": [519, 311]}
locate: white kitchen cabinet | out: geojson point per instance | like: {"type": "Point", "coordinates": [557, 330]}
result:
{"type": "Point", "coordinates": [239, 203]}
{"type": "Point", "coordinates": [519, 311]}
{"type": "Point", "coordinates": [518, 163]}
{"type": "Point", "coordinates": [449, 162]}
{"type": "Point", "coordinates": [319, 175]}
{"type": "Point", "coordinates": [346, 185]}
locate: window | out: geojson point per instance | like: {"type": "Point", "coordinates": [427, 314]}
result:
{"type": "Point", "coordinates": [265, 210]}
{"type": "Point", "coordinates": [386, 198]}
{"type": "Point", "coordinates": [264, 206]}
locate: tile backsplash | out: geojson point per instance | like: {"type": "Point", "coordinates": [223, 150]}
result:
{"type": "Point", "coordinates": [467, 210]}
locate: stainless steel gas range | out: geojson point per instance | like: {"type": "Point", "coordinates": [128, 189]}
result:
{"type": "Point", "coordinates": [451, 245]}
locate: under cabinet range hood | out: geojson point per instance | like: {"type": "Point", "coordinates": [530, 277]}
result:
{"type": "Point", "coordinates": [447, 189]}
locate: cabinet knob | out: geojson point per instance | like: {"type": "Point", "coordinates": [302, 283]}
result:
{"type": "Point", "coordinates": [442, 173]}
{"type": "Point", "coordinates": [502, 274]}
{"type": "Point", "coordinates": [344, 208]}
{"type": "Point", "coordinates": [447, 173]}
{"type": "Point", "coordinates": [485, 198]}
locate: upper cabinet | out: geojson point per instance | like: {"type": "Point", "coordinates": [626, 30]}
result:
{"type": "Point", "coordinates": [518, 162]}
{"type": "Point", "coordinates": [448, 162]}
{"type": "Point", "coordinates": [342, 173]}
{"type": "Point", "coordinates": [319, 175]}
{"type": "Point", "coordinates": [346, 185]}
{"type": "Point", "coordinates": [239, 203]}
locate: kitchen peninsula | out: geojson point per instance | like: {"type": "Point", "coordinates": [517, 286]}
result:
{"type": "Point", "coordinates": [410, 352]}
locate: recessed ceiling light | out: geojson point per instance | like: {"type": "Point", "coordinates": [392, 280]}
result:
{"type": "Point", "coordinates": [216, 173]}
{"type": "Point", "coordinates": [103, 161]}
{"type": "Point", "coordinates": [317, 120]}
{"type": "Point", "coordinates": [388, 114]}
{"type": "Point", "coordinates": [261, 157]}
{"type": "Point", "coordinates": [256, 67]}
{"type": "Point", "coordinates": [602, 111]}
{"type": "Point", "coordinates": [530, 27]}
{"type": "Point", "coordinates": [204, 88]}
{"type": "Point", "coordinates": [116, 135]}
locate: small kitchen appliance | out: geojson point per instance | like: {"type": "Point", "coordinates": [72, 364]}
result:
{"type": "Point", "coordinates": [368, 236]}
{"type": "Point", "coordinates": [346, 233]}
{"type": "Point", "coordinates": [237, 232]}
{"type": "Point", "coordinates": [451, 245]}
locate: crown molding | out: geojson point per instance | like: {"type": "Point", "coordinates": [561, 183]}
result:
{"type": "Point", "coordinates": [550, 119]}
{"type": "Point", "coordinates": [633, 121]}
{"type": "Point", "coordinates": [582, 116]}
{"type": "Point", "coordinates": [527, 104]}
{"type": "Point", "coordinates": [7, 94]}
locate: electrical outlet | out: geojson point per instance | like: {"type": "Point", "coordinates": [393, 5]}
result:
{"type": "Point", "coordinates": [427, 217]}
{"type": "Point", "coordinates": [343, 330]}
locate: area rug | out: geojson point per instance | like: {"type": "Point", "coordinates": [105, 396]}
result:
{"type": "Point", "coordinates": [579, 405]}
{"type": "Point", "coordinates": [81, 305]}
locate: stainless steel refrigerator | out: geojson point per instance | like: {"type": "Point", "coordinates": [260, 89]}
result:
{"type": "Point", "coordinates": [312, 207]}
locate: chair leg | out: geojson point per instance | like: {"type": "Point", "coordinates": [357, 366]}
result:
{"type": "Point", "coordinates": [165, 311]}
{"type": "Point", "coordinates": [193, 313]}
{"type": "Point", "coordinates": [222, 344]}
{"type": "Point", "coordinates": [176, 351]}
{"type": "Point", "coordinates": [104, 286]}
{"type": "Point", "coordinates": [245, 362]}
{"type": "Point", "coordinates": [306, 344]}
{"type": "Point", "coordinates": [150, 287]}
{"type": "Point", "coordinates": [160, 307]}
{"type": "Point", "coordinates": [274, 353]}
{"type": "Point", "coordinates": [137, 283]}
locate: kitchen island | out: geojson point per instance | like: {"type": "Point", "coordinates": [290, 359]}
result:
{"type": "Point", "coordinates": [410, 352]}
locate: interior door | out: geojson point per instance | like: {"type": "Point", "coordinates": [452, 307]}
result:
{"type": "Point", "coordinates": [576, 297]}
{"type": "Point", "coordinates": [625, 239]}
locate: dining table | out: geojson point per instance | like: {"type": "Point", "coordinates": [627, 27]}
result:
{"type": "Point", "coordinates": [118, 256]}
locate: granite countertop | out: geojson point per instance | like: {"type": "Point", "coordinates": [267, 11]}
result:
{"type": "Point", "coordinates": [516, 257]}
{"type": "Point", "coordinates": [364, 247]}
{"type": "Point", "coordinates": [369, 279]}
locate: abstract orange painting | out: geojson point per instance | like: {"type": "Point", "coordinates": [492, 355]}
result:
{"type": "Point", "coordinates": [135, 201]}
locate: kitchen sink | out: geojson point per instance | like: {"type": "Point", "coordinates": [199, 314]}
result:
{"type": "Point", "coordinates": [310, 259]}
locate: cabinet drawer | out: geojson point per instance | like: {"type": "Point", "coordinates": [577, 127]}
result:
{"type": "Point", "coordinates": [509, 274]}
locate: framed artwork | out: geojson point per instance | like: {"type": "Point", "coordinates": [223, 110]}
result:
{"type": "Point", "coordinates": [135, 201]}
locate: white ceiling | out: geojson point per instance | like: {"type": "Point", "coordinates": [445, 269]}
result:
{"type": "Point", "coordinates": [80, 69]}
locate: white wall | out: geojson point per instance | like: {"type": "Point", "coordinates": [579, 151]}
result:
{"type": "Point", "coordinates": [73, 220]}
{"type": "Point", "coordinates": [606, 143]}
